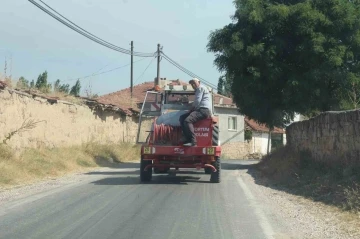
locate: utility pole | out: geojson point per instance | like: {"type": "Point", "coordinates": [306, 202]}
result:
{"type": "Point", "coordinates": [158, 65]}
{"type": "Point", "coordinates": [10, 76]}
{"type": "Point", "coordinates": [269, 139]}
{"type": "Point", "coordinates": [5, 67]}
{"type": "Point", "coordinates": [132, 69]}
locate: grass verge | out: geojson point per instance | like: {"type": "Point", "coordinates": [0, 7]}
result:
{"type": "Point", "coordinates": [35, 164]}
{"type": "Point", "coordinates": [299, 174]}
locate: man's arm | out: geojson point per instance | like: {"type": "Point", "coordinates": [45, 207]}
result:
{"type": "Point", "coordinates": [198, 96]}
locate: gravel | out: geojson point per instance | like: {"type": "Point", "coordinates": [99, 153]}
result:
{"type": "Point", "coordinates": [304, 217]}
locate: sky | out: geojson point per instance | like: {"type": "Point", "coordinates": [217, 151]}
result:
{"type": "Point", "coordinates": [36, 42]}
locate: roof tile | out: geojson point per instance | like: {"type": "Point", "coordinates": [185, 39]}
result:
{"type": "Point", "coordinates": [262, 127]}
{"type": "Point", "coordinates": [122, 98]}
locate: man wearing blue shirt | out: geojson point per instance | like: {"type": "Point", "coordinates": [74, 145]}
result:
{"type": "Point", "coordinates": [201, 110]}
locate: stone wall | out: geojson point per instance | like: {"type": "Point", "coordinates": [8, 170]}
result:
{"type": "Point", "coordinates": [236, 150]}
{"type": "Point", "coordinates": [61, 123]}
{"type": "Point", "coordinates": [331, 136]}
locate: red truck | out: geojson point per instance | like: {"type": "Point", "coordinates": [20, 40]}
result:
{"type": "Point", "coordinates": [161, 149]}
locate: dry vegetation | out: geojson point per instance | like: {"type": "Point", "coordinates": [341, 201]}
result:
{"type": "Point", "coordinates": [65, 97]}
{"type": "Point", "coordinates": [36, 164]}
{"type": "Point", "coordinates": [32, 165]}
{"type": "Point", "coordinates": [14, 84]}
{"type": "Point", "coordinates": [298, 174]}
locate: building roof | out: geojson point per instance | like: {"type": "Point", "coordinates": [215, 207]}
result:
{"type": "Point", "coordinates": [262, 127]}
{"type": "Point", "coordinates": [122, 97]}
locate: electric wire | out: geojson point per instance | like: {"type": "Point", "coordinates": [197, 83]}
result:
{"type": "Point", "coordinates": [88, 35]}
{"type": "Point", "coordinates": [100, 41]}
{"type": "Point", "coordinates": [100, 73]}
{"type": "Point", "coordinates": [188, 72]}
{"type": "Point", "coordinates": [144, 71]}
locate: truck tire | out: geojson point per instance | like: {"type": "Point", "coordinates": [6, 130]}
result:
{"type": "Point", "coordinates": [208, 170]}
{"type": "Point", "coordinates": [215, 142]}
{"type": "Point", "coordinates": [145, 176]}
{"type": "Point", "coordinates": [215, 136]}
{"type": "Point", "coordinates": [215, 176]}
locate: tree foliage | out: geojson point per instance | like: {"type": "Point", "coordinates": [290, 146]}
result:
{"type": "Point", "coordinates": [220, 86]}
{"type": "Point", "coordinates": [42, 83]}
{"type": "Point", "coordinates": [75, 90]}
{"type": "Point", "coordinates": [64, 88]}
{"type": "Point", "coordinates": [22, 83]}
{"type": "Point", "coordinates": [224, 86]}
{"type": "Point", "coordinates": [288, 56]}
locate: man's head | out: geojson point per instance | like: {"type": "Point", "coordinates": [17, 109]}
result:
{"type": "Point", "coordinates": [195, 83]}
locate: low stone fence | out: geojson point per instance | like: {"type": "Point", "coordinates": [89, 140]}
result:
{"type": "Point", "coordinates": [329, 137]}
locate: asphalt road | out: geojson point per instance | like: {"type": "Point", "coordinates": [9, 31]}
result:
{"type": "Point", "coordinates": [114, 204]}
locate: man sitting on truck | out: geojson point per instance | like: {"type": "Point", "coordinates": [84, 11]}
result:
{"type": "Point", "coordinates": [201, 110]}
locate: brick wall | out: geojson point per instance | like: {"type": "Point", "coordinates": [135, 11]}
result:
{"type": "Point", "coordinates": [331, 136]}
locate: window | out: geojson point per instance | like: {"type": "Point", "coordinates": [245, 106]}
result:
{"type": "Point", "coordinates": [232, 123]}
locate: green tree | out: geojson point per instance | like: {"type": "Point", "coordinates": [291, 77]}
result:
{"type": "Point", "coordinates": [75, 90]}
{"type": "Point", "coordinates": [42, 83]}
{"type": "Point", "coordinates": [64, 88]}
{"type": "Point", "coordinates": [22, 83]}
{"type": "Point", "coordinates": [351, 97]}
{"type": "Point", "coordinates": [32, 84]}
{"type": "Point", "coordinates": [57, 86]}
{"type": "Point", "coordinates": [227, 82]}
{"type": "Point", "coordinates": [220, 86]}
{"type": "Point", "coordinates": [288, 56]}
{"type": "Point", "coordinates": [224, 86]}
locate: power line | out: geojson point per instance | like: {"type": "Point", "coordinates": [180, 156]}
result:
{"type": "Point", "coordinates": [87, 34]}
{"type": "Point", "coordinates": [188, 72]}
{"type": "Point", "coordinates": [100, 73]}
{"type": "Point", "coordinates": [100, 41]}
{"type": "Point", "coordinates": [87, 31]}
{"type": "Point", "coordinates": [144, 70]}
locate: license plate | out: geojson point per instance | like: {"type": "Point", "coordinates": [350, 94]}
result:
{"type": "Point", "coordinates": [147, 150]}
{"type": "Point", "coordinates": [211, 151]}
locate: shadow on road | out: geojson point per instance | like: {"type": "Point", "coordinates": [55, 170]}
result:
{"type": "Point", "coordinates": [135, 172]}
{"type": "Point", "coordinates": [102, 162]}
{"type": "Point", "coordinates": [236, 166]}
{"type": "Point", "coordinates": [158, 179]}
{"type": "Point", "coordinates": [182, 177]}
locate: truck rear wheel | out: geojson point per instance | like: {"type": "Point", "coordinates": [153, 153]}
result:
{"type": "Point", "coordinates": [215, 176]}
{"type": "Point", "coordinates": [145, 176]}
{"type": "Point", "coordinates": [215, 142]}
{"type": "Point", "coordinates": [208, 170]}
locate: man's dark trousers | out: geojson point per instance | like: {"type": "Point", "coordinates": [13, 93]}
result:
{"type": "Point", "coordinates": [187, 123]}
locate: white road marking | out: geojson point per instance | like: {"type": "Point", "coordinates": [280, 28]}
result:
{"type": "Point", "coordinates": [264, 223]}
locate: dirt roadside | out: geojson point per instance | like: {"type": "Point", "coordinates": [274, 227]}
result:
{"type": "Point", "coordinates": [303, 217]}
